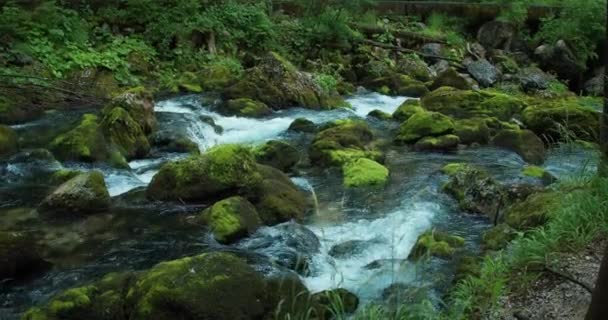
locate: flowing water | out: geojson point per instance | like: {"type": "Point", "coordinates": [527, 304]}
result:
{"type": "Point", "coordinates": [373, 230]}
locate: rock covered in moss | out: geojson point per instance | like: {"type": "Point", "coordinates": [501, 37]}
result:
{"type": "Point", "coordinates": [466, 104]}
{"type": "Point", "coordinates": [379, 115]}
{"type": "Point", "coordinates": [398, 84]}
{"type": "Point", "coordinates": [222, 169]}
{"type": "Point", "coordinates": [407, 109]}
{"type": "Point", "coordinates": [327, 301]}
{"type": "Point", "coordinates": [533, 211]}
{"type": "Point", "coordinates": [451, 78]}
{"type": "Point", "coordinates": [302, 125]}
{"type": "Point", "coordinates": [8, 141]}
{"type": "Point", "coordinates": [472, 131]}
{"type": "Point", "coordinates": [442, 143]}
{"type": "Point", "coordinates": [83, 143]}
{"type": "Point", "coordinates": [245, 107]}
{"type": "Point", "coordinates": [86, 193]}
{"type": "Point", "coordinates": [437, 244]}
{"type": "Point", "coordinates": [364, 173]}
{"type": "Point", "coordinates": [415, 67]}
{"type": "Point", "coordinates": [539, 173]}
{"type": "Point", "coordinates": [341, 142]}
{"type": "Point", "coordinates": [277, 199]}
{"type": "Point", "coordinates": [170, 141]}
{"type": "Point", "coordinates": [474, 189]}
{"type": "Point", "coordinates": [124, 133]}
{"type": "Point", "coordinates": [424, 124]}
{"type": "Point", "coordinates": [139, 103]}
{"type": "Point", "coordinates": [498, 237]}
{"type": "Point", "coordinates": [20, 255]}
{"type": "Point", "coordinates": [59, 177]}
{"type": "Point", "coordinates": [213, 285]}
{"type": "Point", "coordinates": [278, 154]}
{"type": "Point", "coordinates": [217, 76]}
{"type": "Point", "coordinates": [558, 120]}
{"type": "Point", "coordinates": [277, 83]}
{"type": "Point", "coordinates": [231, 219]}
{"type": "Point", "coordinates": [524, 142]}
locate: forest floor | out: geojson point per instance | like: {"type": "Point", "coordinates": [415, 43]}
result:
{"type": "Point", "coordinates": [552, 296]}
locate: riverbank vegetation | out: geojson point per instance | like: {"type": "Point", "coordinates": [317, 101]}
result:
{"type": "Point", "coordinates": [522, 84]}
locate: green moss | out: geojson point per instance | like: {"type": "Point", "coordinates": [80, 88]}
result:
{"type": "Point", "coordinates": [524, 142]}
{"type": "Point", "coordinates": [231, 219]}
{"type": "Point", "coordinates": [83, 143]}
{"type": "Point", "coordinates": [498, 237]}
{"type": "Point", "coordinates": [60, 176]}
{"type": "Point", "coordinates": [8, 141]}
{"type": "Point", "coordinates": [472, 131]}
{"type": "Point", "coordinates": [71, 301]}
{"type": "Point", "coordinates": [534, 172]}
{"type": "Point", "coordinates": [216, 77]}
{"type": "Point", "coordinates": [407, 109]}
{"type": "Point", "coordinates": [278, 154]}
{"type": "Point", "coordinates": [436, 243]}
{"type": "Point", "coordinates": [562, 120]}
{"type": "Point", "coordinates": [441, 143]}
{"type": "Point", "coordinates": [379, 114]}
{"type": "Point", "coordinates": [189, 82]}
{"type": "Point", "coordinates": [398, 84]}
{"type": "Point", "coordinates": [125, 133]}
{"type": "Point", "coordinates": [342, 141]}
{"type": "Point", "coordinates": [451, 78]}
{"type": "Point", "coordinates": [302, 125]}
{"type": "Point", "coordinates": [424, 124]}
{"type": "Point", "coordinates": [453, 169]}
{"type": "Point", "coordinates": [85, 193]}
{"type": "Point", "coordinates": [364, 172]}
{"type": "Point", "coordinates": [534, 211]}
{"type": "Point", "coordinates": [246, 107]}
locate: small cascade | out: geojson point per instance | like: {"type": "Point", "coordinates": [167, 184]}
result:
{"type": "Point", "coordinates": [306, 185]}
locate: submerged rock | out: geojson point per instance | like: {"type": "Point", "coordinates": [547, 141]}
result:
{"type": "Point", "coordinates": [84, 194]}
{"type": "Point", "coordinates": [20, 256]}
{"type": "Point", "coordinates": [364, 173]}
{"type": "Point", "coordinates": [302, 125]}
{"type": "Point", "coordinates": [231, 219]}
{"type": "Point", "coordinates": [423, 124]}
{"type": "Point", "coordinates": [436, 243]}
{"type": "Point", "coordinates": [474, 189]}
{"type": "Point", "coordinates": [442, 143]}
{"type": "Point", "coordinates": [245, 107]}
{"type": "Point", "coordinates": [278, 154]}
{"type": "Point", "coordinates": [349, 248]}
{"type": "Point", "coordinates": [8, 141]}
{"type": "Point", "coordinates": [524, 142]}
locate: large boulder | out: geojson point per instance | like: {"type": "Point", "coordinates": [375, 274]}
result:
{"type": "Point", "coordinates": [560, 59]}
{"type": "Point", "coordinates": [302, 125]}
{"type": "Point", "coordinates": [484, 72]}
{"type": "Point", "coordinates": [466, 104]}
{"type": "Point", "coordinates": [231, 219]}
{"type": "Point", "coordinates": [84, 143]}
{"type": "Point", "coordinates": [423, 124]}
{"type": "Point", "coordinates": [124, 133]}
{"type": "Point", "coordinates": [407, 109]}
{"type": "Point", "coordinates": [533, 79]}
{"type": "Point", "coordinates": [139, 103]}
{"type": "Point", "coordinates": [343, 141]}
{"type": "Point", "coordinates": [20, 256]}
{"type": "Point", "coordinates": [398, 84]}
{"type": "Point", "coordinates": [451, 78]}
{"type": "Point", "coordinates": [245, 107]}
{"type": "Point", "coordinates": [436, 243]}
{"type": "Point", "coordinates": [277, 83]}
{"type": "Point", "coordinates": [473, 130]}
{"type": "Point", "coordinates": [278, 154]}
{"type": "Point", "coordinates": [226, 169]}
{"type": "Point", "coordinates": [560, 120]}
{"type": "Point", "coordinates": [496, 34]}
{"type": "Point", "coordinates": [8, 141]}
{"type": "Point", "coordinates": [474, 189]}
{"type": "Point", "coordinates": [214, 285]}
{"type": "Point", "coordinates": [415, 68]}
{"type": "Point", "coordinates": [364, 173]}
{"type": "Point", "coordinates": [524, 142]}
{"type": "Point", "coordinates": [86, 193]}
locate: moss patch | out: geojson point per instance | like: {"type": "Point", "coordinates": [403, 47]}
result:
{"type": "Point", "coordinates": [231, 219]}
{"type": "Point", "coordinates": [8, 141]}
{"type": "Point", "coordinates": [532, 212]}
{"type": "Point", "coordinates": [423, 124]}
{"type": "Point", "coordinates": [442, 143]}
{"type": "Point", "coordinates": [407, 109]}
{"type": "Point", "coordinates": [364, 172]}
{"type": "Point", "coordinates": [524, 142]}
{"type": "Point", "coordinates": [245, 107]}
{"type": "Point", "coordinates": [436, 243]}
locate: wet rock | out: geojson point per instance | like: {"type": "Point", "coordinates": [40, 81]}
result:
{"type": "Point", "coordinates": [84, 194]}
{"type": "Point", "coordinates": [8, 141]}
{"type": "Point", "coordinates": [434, 49]}
{"type": "Point", "coordinates": [326, 301]}
{"type": "Point", "coordinates": [407, 109]}
{"type": "Point", "coordinates": [139, 104]}
{"type": "Point", "coordinates": [343, 141]}
{"type": "Point", "coordinates": [451, 78]}
{"type": "Point", "coordinates": [278, 154]}
{"type": "Point", "coordinates": [123, 132]}
{"type": "Point", "coordinates": [364, 173]}
{"type": "Point", "coordinates": [231, 219]}
{"type": "Point", "coordinates": [290, 245]}
{"type": "Point", "coordinates": [398, 84]}
{"type": "Point", "coordinates": [437, 244]}
{"type": "Point", "coordinates": [471, 131]}
{"type": "Point", "coordinates": [379, 115]}
{"type": "Point", "coordinates": [539, 173]}
{"type": "Point", "coordinates": [245, 107]}
{"type": "Point", "coordinates": [474, 189]}
{"type": "Point", "coordinates": [302, 125]}
{"type": "Point", "coordinates": [484, 72]}
{"type": "Point", "coordinates": [524, 142]}
{"type": "Point", "coordinates": [532, 79]}
{"type": "Point", "coordinates": [560, 120]}
{"type": "Point", "coordinates": [170, 141]}
{"type": "Point", "coordinates": [440, 66]}
{"type": "Point", "coordinates": [349, 248]}
{"type": "Point", "coordinates": [534, 211]}
{"type": "Point", "coordinates": [496, 34]}
{"type": "Point", "coordinates": [424, 124]}
{"type": "Point", "coordinates": [20, 256]}
{"type": "Point", "coordinates": [442, 143]}
{"type": "Point", "coordinates": [384, 263]}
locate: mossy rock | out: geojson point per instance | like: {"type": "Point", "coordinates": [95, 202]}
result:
{"type": "Point", "coordinates": [15, 109]}
{"type": "Point", "coordinates": [451, 78]}
{"type": "Point", "coordinates": [398, 84]}
{"type": "Point", "coordinates": [562, 120]}
{"type": "Point", "coordinates": [407, 109]}
{"type": "Point", "coordinates": [474, 189]}
{"type": "Point", "coordinates": [245, 107]}
{"type": "Point", "coordinates": [216, 285]}
{"type": "Point", "coordinates": [216, 77]}
{"type": "Point", "coordinates": [364, 173]}
{"type": "Point", "coordinates": [472, 131]}
{"type": "Point", "coordinates": [8, 141]}
{"type": "Point", "coordinates": [277, 199]}
{"type": "Point", "coordinates": [524, 142]}
{"type": "Point", "coordinates": [84, 143]}
{"type": "Point", "coordinates": [342, 141]}
{"type": "Point", "coordinates": [424, 124]}
{"type": "Point", "coordinates": [325, 302]}
{"type": "Point", "coordinates": [534, 211]}
{"type": "Point", "coordinates": [302, 125]}
{"type": "Point", "coordinates": [20, 255]}
{"type": "Point", "coordinates": [437, 244]}
{"type": "Point", "coordinates": [539, 173]}
{"type": "Point", "coordinates": [225, 169]}
{"type": "Point", "coordinates": [415, 68]}
{"type": "Point", "coordinates": [139, 103]}
{"type": "Point", "coordinates": [442, 143]}
{"type": "Point", "coordinates": [125, 134]}
{"type": "Point", "coordinates": [466, 104]}
{"type": "Point", "coordinates": [278, 154]}
{"type": "Point", "coordinates": [86, 193]}
{"type": "Point", "coordinates": [168, 141]}
{"type": "Point", "coordinates": [231, 219]}
{"type": "Point", "coordinates": [379, 115]}
{"type": "Point", "coordinates": [59, 177]}
{"type": "Point", "coordinates": [498, 237]}
{"type": "Point", "coordinates": [188, 82]}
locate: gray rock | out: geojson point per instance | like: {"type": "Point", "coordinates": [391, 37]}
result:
{"type": "Point", "coordinates": [484, 72]}
{"type": "Point", "coordinates": [533, 78]}
{"type": "Point", "coordinates": [85, 193]}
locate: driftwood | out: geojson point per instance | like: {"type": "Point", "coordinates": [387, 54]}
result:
{"type": "Point", "coordinates": [400, 49]}
{"type": "Point", "coordinates": [403, 34]}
